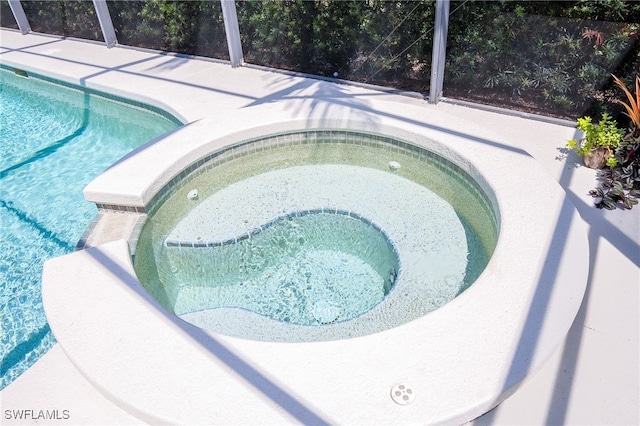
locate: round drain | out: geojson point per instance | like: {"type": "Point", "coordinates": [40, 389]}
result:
{"type": "Point", "coordinates": [325, 312]}
{"type": "Point", "coordinates": [402, 394]}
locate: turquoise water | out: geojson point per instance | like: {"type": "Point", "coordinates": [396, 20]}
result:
{"type": "Point", "coordinates": [308, 268]}
{"type": "Point", "coordinates": [54, 140]}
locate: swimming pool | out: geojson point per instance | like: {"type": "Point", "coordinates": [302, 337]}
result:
{"type": "Point", "coordinates": [54, 139]}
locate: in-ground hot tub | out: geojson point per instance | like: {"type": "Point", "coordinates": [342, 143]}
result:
{"type": "Point", "coordinates": [448, 365]}
{"type": "Point", "coordinates": [315, 235]}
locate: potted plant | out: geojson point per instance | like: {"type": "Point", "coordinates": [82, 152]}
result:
{"type": "Point", "coordinates": [598, 143]}
{"type": "Point", "coordinates": [620, 182]}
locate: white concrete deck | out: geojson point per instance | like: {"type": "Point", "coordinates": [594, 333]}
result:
{"type": "Point", "coordinates": [594, 378]}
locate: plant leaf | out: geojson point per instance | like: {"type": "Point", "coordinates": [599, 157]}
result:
{"type": "Point", "coordinates": [633, 107]}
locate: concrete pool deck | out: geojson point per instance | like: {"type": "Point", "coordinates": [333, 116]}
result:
{"type": "Point", "coordinates": [592, 379]}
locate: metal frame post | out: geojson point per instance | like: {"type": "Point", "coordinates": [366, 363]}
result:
{"type": "Point", "coordinates": [232, 31]}
{"type": "Point", "coordinates": [20, 17]}
{"type": "Point", "coordinates": [104, 18]}
{"type": "Point", "coordinates": [439, 50]}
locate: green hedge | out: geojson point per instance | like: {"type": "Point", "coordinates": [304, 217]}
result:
{"type": "Point", "coordinates": [548, 57]}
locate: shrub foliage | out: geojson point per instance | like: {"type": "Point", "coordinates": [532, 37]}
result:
{"type": "Point", "coordinates": [549, 57]}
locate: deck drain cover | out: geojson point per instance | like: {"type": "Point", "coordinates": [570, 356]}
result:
{"type": "Point", "coordinates": [402, 394]}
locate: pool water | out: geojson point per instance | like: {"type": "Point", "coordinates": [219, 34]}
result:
{"type": "Point", "coordinates": [425, 231]}
{"type": "Point", "coordinates": [54, 140]}
{"type": "Point", "coordinates": [307, 268]}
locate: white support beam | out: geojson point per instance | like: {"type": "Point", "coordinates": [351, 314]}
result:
{"type": "Point", "coordinates": [232, 31]}
{"type": "Point", "coordinates": [21, 18]}
{"type": "Point", "coordinates": [439, 50]}
{"type": "Point", "coordinates": [102, 11]}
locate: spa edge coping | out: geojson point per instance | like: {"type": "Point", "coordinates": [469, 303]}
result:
{"type": "Point", "coordinates": [132, 183]}
{"type": "Point", "coordinates": [490, 338]}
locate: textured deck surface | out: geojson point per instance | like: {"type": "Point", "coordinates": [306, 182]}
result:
{"type": "Point", "coordinates": [593, 379]}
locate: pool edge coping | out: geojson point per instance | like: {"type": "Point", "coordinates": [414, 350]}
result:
{"type": "Point", "coordinates": [544, 203]}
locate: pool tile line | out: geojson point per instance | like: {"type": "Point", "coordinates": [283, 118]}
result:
{"type": "Point", "coordinates": [120, 208]}
{"type": "Point", "coordinates": [89, 91]}
{"type": "Point", "coordinates": [292, 138]}
{"type": "Point", "coordinates": [32, 223]}
{"type": "Point", "coordinates": [47, 151]}
{"type": "Point", "coordinates": [299, 213]}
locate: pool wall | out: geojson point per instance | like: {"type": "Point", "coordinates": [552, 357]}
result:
{"type": "Point", "coordinates": [460, 360]}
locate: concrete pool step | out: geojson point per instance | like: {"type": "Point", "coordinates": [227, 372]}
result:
{"type": "Point", "coordinates": [199, 243]}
